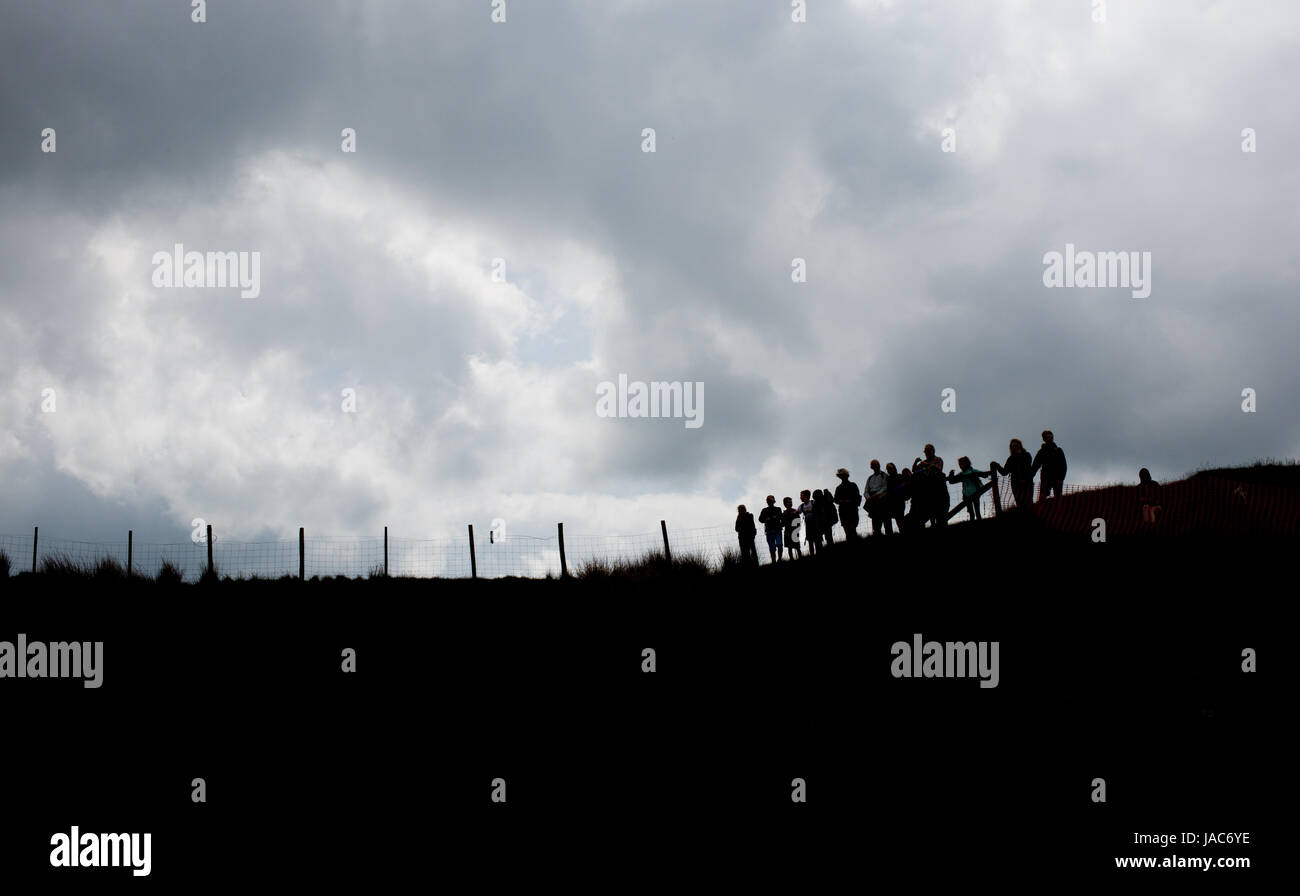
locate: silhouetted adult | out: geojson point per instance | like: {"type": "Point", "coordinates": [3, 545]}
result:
{"type": "Point", "coordinates": [897, 500]}
{"type": "Point", "coordinates": [877, 501]}
{"type": "Point", "coordinates": [929, 480]}
{"type": "Point", "coordinates": [1018, 470]}
{"type": "Point", "coordinates": [942, 500]}
{"type": "Point", "coordinates": [770, 517]}
{"type": "Point", "coordinates": [828, 516]}
{"type": "Point", "coordinates": [809, 512]}
{"type": "Point", "coordinates": [746, 533]}
{"type": "Point", "coordinates": [1148, 495]}
{"type": "Point", "coordinates": [847, 498]}
{"type": "Point", "coordinates": [1051, 459]}
{"type": "Point", "coordinates": [918, 508]}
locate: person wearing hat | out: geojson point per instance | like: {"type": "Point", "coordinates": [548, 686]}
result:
{"type": "Point", "coordinates": [848, 498]}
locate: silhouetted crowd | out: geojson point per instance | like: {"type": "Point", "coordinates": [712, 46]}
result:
{"type": "Point", "coordinates": [895, 501]}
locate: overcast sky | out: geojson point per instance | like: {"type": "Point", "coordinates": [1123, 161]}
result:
{"type": "Point", "coordinates": [523, 141]}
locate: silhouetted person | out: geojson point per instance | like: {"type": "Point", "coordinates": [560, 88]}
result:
{"type": "Point", "coordinates": [809, 512]}
{"type": "Point", "coordinates": [770, 517]}
{"type": "Point", "coordinates": [969, 478]}
{"type": "Point", "coordinates": [1051, 459]}
{"type": "Point", "coordinates": [1017, 469]}
{"type": "Point", "coordinates": [897, 500]}
{"type": "Point", "coordinates": [1148, 495]}
{"type": "Point", "coordinates": [829, 517]}
{"type": "Point", "coordinates": [918, 508]}
{"type": "Point", "coordinates": [746, 533]}
{"type": "Point", "coordinates": [877, 501]}
{"type": "Point", "coordinates": [942, 500]}
{"type": "Point", "coordinates": [847, 498]}
{"type": "Point", "coordinates": [928, 480]}
{"type": "Point", "coordinates": [790, 522]}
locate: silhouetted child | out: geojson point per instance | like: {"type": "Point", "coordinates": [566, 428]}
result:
{"type": "Point", "coordinates": [770, 517]}
{"type": "Point", "coordinates": [809, 512]}
{"type": "Point", "coordinates": [970, 485]}
{"type": "Point", "coordinates": [790, 519]}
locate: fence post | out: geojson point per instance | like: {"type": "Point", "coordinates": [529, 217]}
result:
{"type": "Point", "coordinates": [130, 534]}
{"type": "Point", "coordinates": [385, 552]}
{"type": "Point", "coordinates": [668, 554]}
{"type": "Point", "coordinates": [564, 566]}
{"type": "Point", "coordinates": [302, 555]}
{"type": "Point", "coordinates": [997, 493]}
{"type": "Point", "coordinates": [209, 547]}
{"type": "Point", "coordinates": [36, 534]}
{"type": "Point", "coordinates": [473, 563]}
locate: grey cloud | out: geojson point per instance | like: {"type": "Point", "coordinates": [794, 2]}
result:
{"type": "Point", "coordinates": [774, 141]}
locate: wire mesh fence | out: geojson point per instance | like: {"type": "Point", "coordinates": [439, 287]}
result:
{"type": "Point", "coordinates": [1183, 505]}
{"type": "Point", "coordinates": [356, 556]}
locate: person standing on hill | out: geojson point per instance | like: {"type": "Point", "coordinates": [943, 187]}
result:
{"type": "Point", "coordinates": [897, 500]}
{"type": "Point", "coordinates": [877, 501]}
{"type": "Point", "coordinates": [1017, 469]}
{"type": "Point", "coordinates": [940, 500]}
{"type": "Point", "coordinates": [827, 517]}
{"type": "Point", "coordinates": [1148, 495]}
{"type": "Point", "coordinates": [809, 512]}
{"type": "Point", "coordinates": [969, 478]}
{"type": "Point", "coordinates": [847, 497]}
{"type": "Point", "coordinates": [746, 533]}
{"type": "Point", "coordinates": [915, 487]}
{"type": "Point", "coordinates": [1051, 459]}
{"type": "Point", "coordinates": [928, 481]}
{"type": "Point", "coordinates": [770, 517]}
{"type": "Point", "coordinates": [791, 522]}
